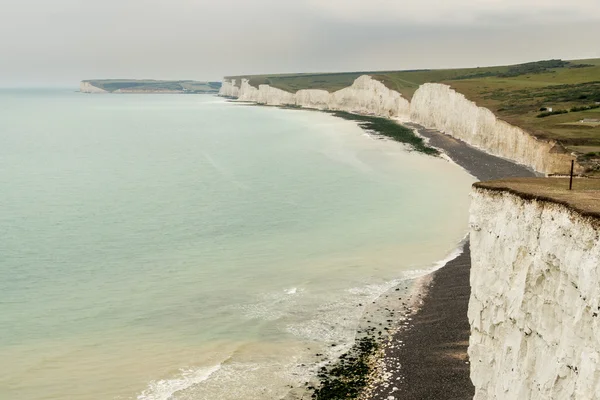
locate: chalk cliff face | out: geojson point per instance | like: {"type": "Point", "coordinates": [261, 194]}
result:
{"type": "Point", "coordinates": [535, 303]}
{"type": "Point", "coordinates": [365, 95]}
{"type": "Point", "coordinates": [86, 87]}
{"type": "Point", "coordinates": [228, 89]}
{"type": "Point", "coordinates": [370, 96]}
{"type": "Point", "coordinates": [439, 107]}
{"type": "Point", "coordinates": [313, 98]}
{"type": "Point", "coordinates": [275, 97]}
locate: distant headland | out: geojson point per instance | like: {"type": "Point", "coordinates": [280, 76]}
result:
{"type": "Point", "coordinates": [147, 86]}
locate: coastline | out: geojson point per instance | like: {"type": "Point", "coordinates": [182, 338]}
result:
{"type": "Point", "coordinates": [422, 352]}
{"type": "Point", "coordinates": [428, 358]}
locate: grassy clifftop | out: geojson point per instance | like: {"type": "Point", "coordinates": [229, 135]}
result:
{"type": "Point", "coordinates": [584, 198]}
{"type": "Point", "coordinates": [517, 94]}
{"type": "Point", "coordinates": [149, 86]}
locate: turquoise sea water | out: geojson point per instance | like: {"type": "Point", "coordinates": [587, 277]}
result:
{"type": "Point", "coordinates": [183, 247]}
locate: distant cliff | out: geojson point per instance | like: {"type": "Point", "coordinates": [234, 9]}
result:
{"type": "Point", "coordinates": [88, 87]}
{"type": "Point", "coordinates": [366, 95]}
{"type": "Point", "coordinates": [440, 107]}
{"type": "Point", "coordinates": [147, 86]}
{"type": "Point", "coordinates": [434, 106]}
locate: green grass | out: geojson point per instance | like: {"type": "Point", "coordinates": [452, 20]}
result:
{"type": "Point", "coordinates": [405, 82]}
{"type": "Point", "coordinates": [585, 196]}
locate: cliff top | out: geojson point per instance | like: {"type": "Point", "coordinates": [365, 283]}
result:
{"type": "Point", "coordinates": [584, 198]}
{"type": "Point", "coordinates": [552, 99]}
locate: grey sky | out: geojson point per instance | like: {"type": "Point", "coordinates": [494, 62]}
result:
{"type": "Point", "coordinates": [64, 41]}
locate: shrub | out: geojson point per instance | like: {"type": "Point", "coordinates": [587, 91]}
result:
{"type": "Point", "coordinates": [584, 108]}
{"type": "Point", "coordinates": [533, 68]}
{"type": "Point", "coordinates": [549, 113]}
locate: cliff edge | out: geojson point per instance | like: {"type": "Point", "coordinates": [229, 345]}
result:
{"type": "Point", "coordinates": [534, 308]}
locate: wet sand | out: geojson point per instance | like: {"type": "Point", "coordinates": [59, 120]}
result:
{"type": "Point", "coordinates": [428, 359]}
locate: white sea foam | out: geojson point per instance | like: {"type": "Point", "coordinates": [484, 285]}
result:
{"type": "Point", "coordinates": [164, 389]}
{"type": "Point", "coordinates": [263, 312]}
{"type": "Point", "coordinates": [272, 306]}
{"type": "Point", "coordinates": [454, 254]}
{"type": "Point", "coordinates": [291, 290]}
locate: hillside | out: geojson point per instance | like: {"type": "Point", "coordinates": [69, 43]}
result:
{"type": "Point", "coordinates": [154, 86]}
{"type": "Point", "coordinates": [517, 94]}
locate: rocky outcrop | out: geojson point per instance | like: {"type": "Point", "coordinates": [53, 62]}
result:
{"type": "Point", "coordinates": [366, 95]}
{"type": "Point", "coordinates": [438, 106]}
{"type": "Point", "coordinates": [87, 87]}
{"type": "Point", "coordinates": [535, 302]}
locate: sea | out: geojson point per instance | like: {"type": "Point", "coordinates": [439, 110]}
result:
{"type": "Point", "coordinates": [166, 247]}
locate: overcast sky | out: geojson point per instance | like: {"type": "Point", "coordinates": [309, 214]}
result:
{"type": "Point", "coordinates": [61, 42]}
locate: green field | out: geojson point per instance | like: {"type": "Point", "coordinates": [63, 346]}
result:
{"type": "Point", "coordinates": [516, 94]}
{"type": "Point", "coordinates": [149, 85]}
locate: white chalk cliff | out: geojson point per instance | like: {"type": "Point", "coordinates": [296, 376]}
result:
{"type": "Point", "coordinates": [535, 303]}
{"type": "Point", "coordinates": [87, 87]}
{"type": "Point", "coordinates": [440, 107]}
{"type": "Point", "coordinates": [229, 89]}
{"type": "Point", "coordinates": [433, 105]}
{"type": "Point", "coordinates": [366, 95]}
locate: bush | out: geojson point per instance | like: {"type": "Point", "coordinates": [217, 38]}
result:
{"type": "Point", "coordinates": [549, 113]}
{"type": "Point", "coordinates": [584, 108]}
{"type": "Point", "coordinates": [589, 156]}
{"type": "Point", "coordinates": [533, 68]}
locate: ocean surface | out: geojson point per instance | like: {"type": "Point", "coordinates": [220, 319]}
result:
{"type": "Point", "coordinates": [183, 247]}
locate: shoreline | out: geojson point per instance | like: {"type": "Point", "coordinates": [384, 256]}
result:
{"type": "Point", "coordinates": [423, 352]}
{"type": "Point", "coordinates": [428, 359]}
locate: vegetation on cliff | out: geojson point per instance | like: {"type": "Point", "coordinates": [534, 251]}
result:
{"type": "Point", "coordinates": [583, 198]}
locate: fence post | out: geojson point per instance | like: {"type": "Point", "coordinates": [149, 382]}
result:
{"type": "Point", "coordinates": [571, 179]}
